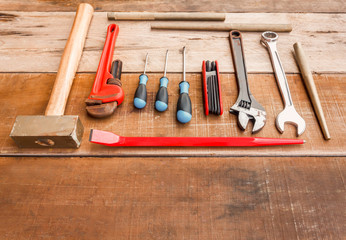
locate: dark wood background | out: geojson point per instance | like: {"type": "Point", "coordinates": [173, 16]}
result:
{"type": "Point", "coordinates": [95, 192]}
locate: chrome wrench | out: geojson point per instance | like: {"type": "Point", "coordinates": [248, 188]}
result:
{"type": "Point", "coordinates": [289, 114]}
{"type": "Point", "coordinates": [246, 106]}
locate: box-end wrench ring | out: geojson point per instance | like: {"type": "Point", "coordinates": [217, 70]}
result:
{"type": "Point", "coordinates": [289, 114]}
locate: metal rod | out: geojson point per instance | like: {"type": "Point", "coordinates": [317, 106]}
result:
{"type": "Point", "coordinates": [220, 26]}
{"type": "Point", "coordinates": [111, 139]}
{"type": "Point", "coordinates": [164, 74]}
{"type": "Point", "coordinates": [184, 64]}
{"type": "Point", "coordinates": [179, 16]}
{"type": "Point", "coordinates": [304, 67]}
{"type": "Point", "coordinates": [145, 66]}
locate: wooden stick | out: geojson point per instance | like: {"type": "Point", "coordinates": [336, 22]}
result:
{"type": "Point", "coordinates": [310, 86]}
{"type": "Point", "coordinates": [212, 26]}
{"type": "Point", "coordinates": [70, 60]}
{"type": "Point", "coordinates": [151, 16]}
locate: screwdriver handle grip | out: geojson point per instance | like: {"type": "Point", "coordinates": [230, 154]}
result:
{"type": "Point", "coordinates": [161, 103]}
{"type": "Point", "coordinates": [141, 93]}
{"type": "Point", "coordinates": [184, 109]}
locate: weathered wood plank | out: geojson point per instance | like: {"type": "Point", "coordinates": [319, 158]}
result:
{"type": "Point", "coordinates": [28, 94]}
{"type": "Point", "coordinates": [34, 41]}
{"type": "Point", "coordinates": [172, 198]}
{"type": "Point", "coordinates": [180, 5]}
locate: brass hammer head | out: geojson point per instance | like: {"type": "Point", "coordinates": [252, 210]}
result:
{"type": "Point", "coordinates": [47, 131]}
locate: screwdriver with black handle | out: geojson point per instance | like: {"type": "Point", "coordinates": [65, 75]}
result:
{"type": "Point", "coordinates": [141, 93]}
{"type": "Point", "coordinates": [184, 109]}
{"type": "Point", "coordinates": [161, 103]}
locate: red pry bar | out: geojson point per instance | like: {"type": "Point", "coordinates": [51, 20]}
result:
{"type": "Point", "coordinates": [113, 140]}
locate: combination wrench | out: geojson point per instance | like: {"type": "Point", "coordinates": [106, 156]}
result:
{"type": "Point", "coordinates": [289, 114]}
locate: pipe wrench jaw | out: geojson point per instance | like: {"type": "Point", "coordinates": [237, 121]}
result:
{"type": "Point", "coordinates": [100, 107]}
{"type": "Point", "coordinates": [106, 101]}
{"type": "Point", "coordinates": [101, 110]}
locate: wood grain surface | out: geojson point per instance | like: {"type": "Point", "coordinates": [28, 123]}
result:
{"type": "Point", "coordinates": [172, 198]}
{"type": "Point", "coordinates": [180, 5]}
{"type": "Point", "coordinates": [97, 192]}
{"type": "Point", "coordinates": [27, 94]}
{"type": "Point", "coordinates": [34, 42]}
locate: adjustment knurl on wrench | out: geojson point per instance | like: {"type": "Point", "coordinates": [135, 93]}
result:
{"type": "Point", "coordinates": [289, 113]}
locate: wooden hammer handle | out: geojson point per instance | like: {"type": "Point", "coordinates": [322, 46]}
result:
{"type": "Point", "coordinates": [182, 16]}
{"type": "Point", "coordinates": [70, 60]}
{"type": "Point", "coordinates": [310, 86]}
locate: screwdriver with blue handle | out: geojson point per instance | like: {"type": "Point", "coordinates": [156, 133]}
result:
{"type": "Point", "coordinates": [161, 102]}
{"type": "Point", "coordinates": [184, 109]}
{"type": "Point", "coordinates": [141, 93]}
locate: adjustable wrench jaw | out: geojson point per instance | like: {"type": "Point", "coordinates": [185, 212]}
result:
{"type": "Point", "coordinates": [255, 113]}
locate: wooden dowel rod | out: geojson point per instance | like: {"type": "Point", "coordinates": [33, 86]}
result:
{"type": "Point", "coordinates": [310, 86]}
{"type": "Point", "coordinates": [213, 26]}
{"type": "Point", "coordinates": [70, 60]}
{"type": "Point", "coordinates": [151, 16]}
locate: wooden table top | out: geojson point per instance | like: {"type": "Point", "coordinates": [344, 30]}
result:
{"type": "Point", "coordinates": [97, 192]}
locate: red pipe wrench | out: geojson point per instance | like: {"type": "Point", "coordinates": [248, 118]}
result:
{"type": "Point", "coordinates": [107, 92]}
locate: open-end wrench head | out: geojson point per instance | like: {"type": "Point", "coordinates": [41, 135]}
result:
{"type": "Point", "coordinates": [290, 115]}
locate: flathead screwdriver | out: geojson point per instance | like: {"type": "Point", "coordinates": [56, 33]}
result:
{"type": "Point", "coordinates": [184, 109]}
{"type": "Point", "coordinates": [161, 102]}
{"type": "Point", "coordinates": [141, 93]}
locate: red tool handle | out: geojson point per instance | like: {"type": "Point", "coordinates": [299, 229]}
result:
{"type": "Point", "coordinates": [205, 91]}
{"type": "Point", "coordinates": [111, 139]}
{"type": "Point", "coordinates": [219, 84]}
{"type": "Point", "coordinates": [101, 89]}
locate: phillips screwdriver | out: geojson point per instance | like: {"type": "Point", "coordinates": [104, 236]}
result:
{"type": "Point", "coordinates": [161, 102]}
{"type": "Point", "coordinates": [141, 93]}
{"type": "Point", "coordinates": [184, 109]}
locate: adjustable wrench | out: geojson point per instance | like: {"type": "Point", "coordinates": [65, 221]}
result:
{"type": "Point", "coordinates": [107, 92]}
{"type": "Point", "coordinates": [246, 107]}
{"type": "Point", "coordinates": [289, 114]}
